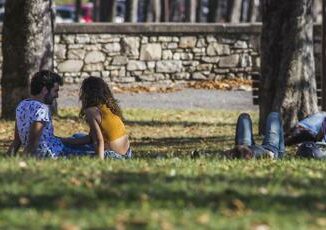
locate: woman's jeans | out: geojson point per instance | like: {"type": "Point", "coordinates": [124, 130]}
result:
{"type": "Point", "coordinates": [274, 137]}
{"type": "Point", "coordinates": [89, 150]}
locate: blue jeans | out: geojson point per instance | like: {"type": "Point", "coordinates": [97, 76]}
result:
{"type": "Point", "coordinates": [274, 137]}
{"type": "Point", "coordinates": [89, 150]}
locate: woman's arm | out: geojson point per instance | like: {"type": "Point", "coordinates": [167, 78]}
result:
{"type": "Point", "coordinates": [92, 117]}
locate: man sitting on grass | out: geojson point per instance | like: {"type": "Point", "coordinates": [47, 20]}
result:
{"type": "Point", "coordinates": [33, 127]}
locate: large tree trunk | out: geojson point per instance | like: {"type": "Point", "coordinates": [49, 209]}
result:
{"type": "Point", "coordinates": [27, 47]}
{"type": "Point", "coordinates": [288, 80]}
{"type": "Point", "coordinates": [131, 11]}
{"type": "Point", "coordinates": [234, 11]}
{"type": "Point", "coordinates": [191, 6]}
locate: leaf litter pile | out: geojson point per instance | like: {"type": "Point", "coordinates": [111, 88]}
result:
{"type": "Point", "coordinates": [226, 84]}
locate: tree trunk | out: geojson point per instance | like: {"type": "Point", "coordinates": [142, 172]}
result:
{"type": "Point", "coordinates": [288, 81]}
{"type": "Point", "coordinates": [234, 11]}
{"type": "Point", "coordinates": [212, 10]}
{"type": "Point", "coordinates": [191, 6]}
{"type": "Point", "coordinates": [131, 11]}
{"type": "Point", "coordinates": [27, 47]}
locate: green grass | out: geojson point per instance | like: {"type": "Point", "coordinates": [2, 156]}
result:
{"type": "Point", "coordinates": [162, 187]}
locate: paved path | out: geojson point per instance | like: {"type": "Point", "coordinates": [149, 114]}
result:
{"type": "Point", "coordinates": [184, 99]}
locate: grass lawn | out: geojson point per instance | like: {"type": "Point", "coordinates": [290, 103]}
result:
{"type": "Point", "coordinates": [162, 187]}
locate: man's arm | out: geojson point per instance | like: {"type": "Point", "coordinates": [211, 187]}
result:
{"type": "Point", "coordinates": [35, 132]}
{"type": "Point", "coordinates": [15, 144]}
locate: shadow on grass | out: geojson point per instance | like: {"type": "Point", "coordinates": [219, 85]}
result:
{"type": "Point", "coordinates": [162, 191]}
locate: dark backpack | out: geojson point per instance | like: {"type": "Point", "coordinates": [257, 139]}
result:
{"type": "Point", "coordinates": [312, 150]}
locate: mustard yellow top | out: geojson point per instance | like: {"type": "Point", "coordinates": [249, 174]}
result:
{"type": "Point", "coordinates": [111, 125]}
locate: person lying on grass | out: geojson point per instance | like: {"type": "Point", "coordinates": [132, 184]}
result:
{"type": "Point", "coordinates": [245, 147]}
{"type": "Point", "coordinates": [103, 115]}
{"type": "Point", "coordinates": [308, 129]}
{"type": "Point", "coordinates": [33, 126]}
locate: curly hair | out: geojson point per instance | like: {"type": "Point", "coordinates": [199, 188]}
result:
{"type": "Point", "coordinates": [44, 78]}
{"type": "Point", "coordinates": [94, 91]}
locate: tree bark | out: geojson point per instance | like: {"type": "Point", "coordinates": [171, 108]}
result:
{"type": "Point", "coordinates": [131, 11]}
{"type": "Point", "coordinates": [288, 81]}
{"type": "Point", "coordinates": [234, 11]}
{"type": "Point", "coordinates": [27, 47]}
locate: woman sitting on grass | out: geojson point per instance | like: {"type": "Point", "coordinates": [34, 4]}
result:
{"type": "Point", "coordinates": [104, 117]}
{"type": "Point", "coordinates": [273, 143]}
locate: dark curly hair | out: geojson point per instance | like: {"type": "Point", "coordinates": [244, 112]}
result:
{"type": "Point", "coordinates": [94, 91]}
{"type": "Point", "coordinates": [44, 78]}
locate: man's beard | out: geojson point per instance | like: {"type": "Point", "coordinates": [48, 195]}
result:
{"type": "Point", "coordinates": [48, 99]}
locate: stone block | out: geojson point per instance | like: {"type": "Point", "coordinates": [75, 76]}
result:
{"type": "Point", "coordinates": [82, 38]}
{"type": "Point", "coordinates": [68, 39]}
{"type": "Point", "coordinates": [59, 51]}
{"type": "Point", "coordinates": [70, 66]}
{"type": "Point", "coordinates": [130, 46]}
{"type": "Point", "coordinates": [210, 59]}
{"type": "Point", "coordinates": [198, 76]}
{"type": "Point", "coordinates": [120, 60]}
{"type": "Point", "coordinates": [241, 45]}
{"type": "Point", "coordinates": [215, 48]}
{"type": "Point", "coordinates": [181, 76]}
{"type": "Point", "coordinates": [201, 43]}
{"type": "Point", "coordinates": [187, 42]}
{"type": "Point", "coordinates": [229, 61]}
{"type": "Point", "coordinates": [78, 54]}
{"type": "Point", "coordinates": [245, 60]}
{"type": "Point", "coordinates": [112, 48]}
{"type": "Point", "coordinates": [136, 65]}
{"type": "Point", "coordinates": [93, 67]}
{"type": "Point", "coordinates": [168, 66]}
{"type": "Point", "coordinates": [94, 57]}
{"type": "Point", "coordinates": [167, 55]}
{"type": "Point", "coordinates": [151, 52]}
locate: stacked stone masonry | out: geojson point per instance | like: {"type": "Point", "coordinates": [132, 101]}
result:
{"type": "Point", "coordinates": [154, 53]}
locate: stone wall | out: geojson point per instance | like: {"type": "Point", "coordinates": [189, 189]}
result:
{"type": "Point", "coordinates": [129, 53]}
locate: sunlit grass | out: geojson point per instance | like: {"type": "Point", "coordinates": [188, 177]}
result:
{"type": "Point", "coordinates": [162, 187]}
